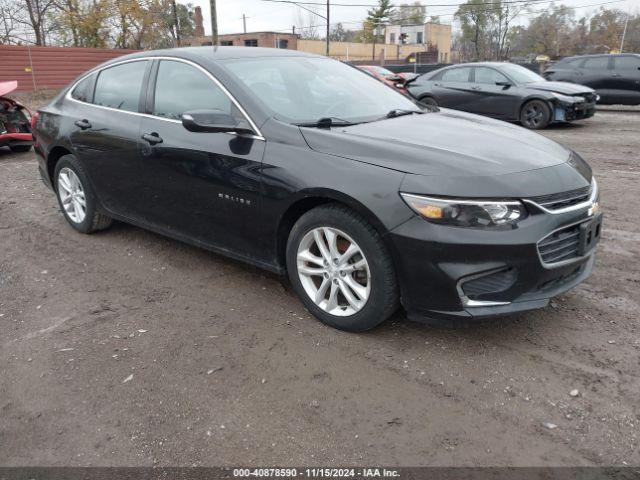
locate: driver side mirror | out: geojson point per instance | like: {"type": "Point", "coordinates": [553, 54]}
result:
{"type": "Point", "coordinates": [504, 84]}
{"type": "Point", "coordinates": [213, 121]}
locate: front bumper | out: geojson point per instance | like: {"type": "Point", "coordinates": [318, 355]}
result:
{"type": "Point", "coordinates": [458, 273]}
{"type": "Point", "coordinates": [577, 111]}
{"type": "Point", "coordinates": [15, 139]}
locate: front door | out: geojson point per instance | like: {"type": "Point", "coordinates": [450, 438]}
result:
{"type": "Point", "coordinates": [626, 78]}
{"type": "Point", "coordinates": [496, 95]}
{"type": "Point", "coordinates": [201, 185]}
{"type": "Point", "coordinates": [596, 72]}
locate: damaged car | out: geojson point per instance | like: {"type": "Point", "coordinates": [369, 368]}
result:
{"type": "Point", "coordinates": [505, 91]}
{"type": "Point", "coordinates": [15, 121]}
{"type": "Point", "coordinates": [363, 198]}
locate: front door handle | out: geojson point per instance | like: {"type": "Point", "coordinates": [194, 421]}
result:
{"type": "Point", "coordinates": [152, 138]}
{"type": "Point", "coordinates": [475, 88]}
{"type": "Point", "coordinates": [83, 124]}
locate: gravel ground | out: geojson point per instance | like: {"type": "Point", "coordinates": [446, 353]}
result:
{"type": "Point", "coordinates": [127, 348]}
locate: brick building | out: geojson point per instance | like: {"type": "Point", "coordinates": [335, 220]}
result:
{"type": "Point", "coordinates": [251, 39]}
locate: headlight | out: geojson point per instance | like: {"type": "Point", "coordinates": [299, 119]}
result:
{"type": "Point", "coordinates": [567, 98]}
{"type": "Point", "coordinates": [467, 213]}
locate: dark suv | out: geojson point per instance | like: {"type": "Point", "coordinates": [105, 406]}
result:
{"type": "Point", "coordinates": [616, 78]}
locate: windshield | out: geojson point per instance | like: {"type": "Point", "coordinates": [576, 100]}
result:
{"type": "Point", "coordinates": [305, 89]}
{"type": "Point", "coordinates": [521, 74]}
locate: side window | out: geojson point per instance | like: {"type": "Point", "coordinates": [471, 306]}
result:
{"type": "Point", "coordinates": [596, 63]}
{"type": "Point", "coordinates": [489, 75]}
{"type": "Point", "coordinates": [181, 87]}
{"type": "Point", "coordinates": [627, 63]}
{"type": "Point", "coordinates": [83, 89]}
{"type": "Point", "coordinates": [456, 75]}
{"type": "Point", "coordinates": [119, 86]}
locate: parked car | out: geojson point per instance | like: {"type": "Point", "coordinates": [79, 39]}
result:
{"type": "Point", "coordinates": [616, 78]}
{"type": "Point", "coordinates": [364, 199]}
{"type": "Point", "coordinates": [15, 128]}
{"type": "Point", "coordinates": [392, 79]}
{"type": "Point", "coordinates": [505, 91]}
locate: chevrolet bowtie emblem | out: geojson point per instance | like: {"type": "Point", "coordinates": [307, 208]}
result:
{"type": "Point", "coordinates": [595, 208]}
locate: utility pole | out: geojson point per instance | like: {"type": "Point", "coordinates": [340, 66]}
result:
{"type": "Point", "coordinates": [328, 28]}
{"type": "Point", "coordinates": [624, 32]}
{"type": "Point", "coordinates": [244, 23]}
{"type": "Point", "coordinates": [175, 22]}
{"type": "Point", "coordinates": [214, 23]}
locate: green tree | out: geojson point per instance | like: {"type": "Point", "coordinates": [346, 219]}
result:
{"type": "Point", "coordinates": [409, 14]}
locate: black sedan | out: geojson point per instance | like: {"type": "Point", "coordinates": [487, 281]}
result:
{"type": "Point", "coordinates": [616, 78]}
{"type": "Point", "coordinates": [305, 166]}
{"type": "Point", "coordinates": [505, 91]}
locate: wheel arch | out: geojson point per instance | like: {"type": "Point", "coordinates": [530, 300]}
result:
{"type": "Point", "coordinates": [54, 155]}
{"type": "Point", "coordinates": [311, 199]}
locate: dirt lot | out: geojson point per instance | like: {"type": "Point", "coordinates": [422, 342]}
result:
{"type": "Point", "coordinates": [126, 348]}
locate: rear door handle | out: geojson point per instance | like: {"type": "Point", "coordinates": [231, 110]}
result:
{"type": "Point", "coordinates": [83, 124]}
{"type": "Point", "coordinates": [152, 138]}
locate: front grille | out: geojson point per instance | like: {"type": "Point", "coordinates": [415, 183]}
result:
{"type": "Point", "coordinates": [560, 245]}
{"type": "Point", "coordinates": [491, 283]}
{"type": "Point", "coordinates": [556, 201]}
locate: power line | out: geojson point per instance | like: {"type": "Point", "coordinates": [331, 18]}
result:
{"type": "Point", "coordinates": [300, 3]}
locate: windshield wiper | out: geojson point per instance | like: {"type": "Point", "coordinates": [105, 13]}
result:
{"type": "Point", "coordinates": [398, 112]}
{"type": "Point", "coordinates": [327, 122]}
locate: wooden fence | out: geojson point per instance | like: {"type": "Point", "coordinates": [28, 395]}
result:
{"type": "Point", "coordinates": [43, 68]}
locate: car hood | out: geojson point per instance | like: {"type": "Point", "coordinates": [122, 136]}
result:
{"type": "Point", "coordinates": [444, 143]}
{"type": "Point", "coordinates": [564, 88]}
{"type": "Point", "coordinates": [8, 87]}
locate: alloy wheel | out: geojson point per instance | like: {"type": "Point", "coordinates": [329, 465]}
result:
{"type": "Point", "coordinates": [72, 196]}
{"type": "Point", "coordinates": [333, 271]}
{"type": "Point", "coordinates": [533, 115]}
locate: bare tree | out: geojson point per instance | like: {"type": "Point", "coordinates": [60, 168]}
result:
{"type": "Point", "coordinates": [308, 23]}
{"type": "Point", "coordinates": [10, 14]}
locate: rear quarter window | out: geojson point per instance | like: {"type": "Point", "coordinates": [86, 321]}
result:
{"type": "Point", "coordinates": [83, 90]}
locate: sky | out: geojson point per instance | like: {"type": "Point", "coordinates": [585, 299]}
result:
{"type": "Point", "coordinates": [269, 16]}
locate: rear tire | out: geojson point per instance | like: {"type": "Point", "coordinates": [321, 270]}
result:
{"type": "Point", "coordinates": [20, 148]}
{"type": "Point", "coordinates": [354, 278]}
{"type": "Point", "coordinates": [535, 115]}
{"type": "Point", "coordinates": [76, 197]}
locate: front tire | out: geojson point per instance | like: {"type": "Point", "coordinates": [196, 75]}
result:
{"type": "Point", "coordinates": [341, 269]}
{"type": "Point", "coordinates": [76, 197]}
{"type": "Point", "coordinates": [429, 101]}
{"type": "Point", "coordinates": [535, 115]}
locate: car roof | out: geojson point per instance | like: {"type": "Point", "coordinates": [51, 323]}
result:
{"type": "Point", "coordinates": [626, 54]}
{"type": "Point", "coordinates": [211, 54]}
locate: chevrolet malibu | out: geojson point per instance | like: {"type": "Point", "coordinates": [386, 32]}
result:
{"type": "Point", "coordinates": [308, 167]}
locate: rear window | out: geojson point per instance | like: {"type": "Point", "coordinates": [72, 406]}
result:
{"type": "Point", "coordinates": [83, 90]}
{"type": "Point", "coordinates": [597, 63]}
{"type": "Point", "coordinates": [119, 86]}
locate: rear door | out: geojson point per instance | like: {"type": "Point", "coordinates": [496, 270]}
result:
{"type": "Point", "coordinates": [626, 78]}
{"type": "Point", "coordinates": [452, 88]}
{"type": "Point", "coordinates": [499, 101]}
{"type": "Point", "coordinates": [200, 185]}
{"type": "Point", "coordinates": [105, 122]}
